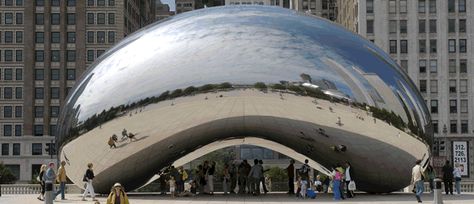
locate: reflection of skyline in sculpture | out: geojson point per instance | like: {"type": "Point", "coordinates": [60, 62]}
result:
{"type": "Point", "coordinates": [227, 73]}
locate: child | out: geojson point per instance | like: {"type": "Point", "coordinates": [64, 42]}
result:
{"type": "Point", "coordinates": [318, 184]}
{"type": "Point", "coordinates": [298, 186]}
{"type": "Point", "coordinates": [172, 184]}
{"type": "Point", "coordinates": [303, 187]}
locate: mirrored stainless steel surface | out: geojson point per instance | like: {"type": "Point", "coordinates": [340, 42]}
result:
{"type": "Point", "coordinates": [231, 73]}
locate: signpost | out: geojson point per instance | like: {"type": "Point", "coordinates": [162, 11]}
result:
{"type": "Point", "coordinates": [461, 156]}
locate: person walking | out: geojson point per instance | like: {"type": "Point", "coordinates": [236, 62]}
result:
{"type": "Point", "coordinates": [210, 177]}
{"type": "Point", "coordinates": [49, 178]}
{"type": "Point", "coordinates": [341, 185]}
{"type": "Point", "coordinates": [336, 183]}
{"type": "Point", "coordinates": [290, 171]}
{"type": "Point", "coordinates": [62, 179]}
{"type": "Point", "coordinates": [88, 177]}
{"type": "Point", "coordinates": [254, 176]}
{"type": "Point", "coordinates": [40, 179]}
{"type": "Point", "coordinates": [457, 178]}
{"type": "Point", "coordinates": [448, 177]}
{"type": "Point", "coordinates": [430, 176]}
{"type": "Point", "coordinates": [262, 178]}
{"type": "Point", "coordinates": [243, 176]}
{"type": "Point", "coordinates": [348, 178]}
{"type": "Point", "coordinates": [417, 180]}
{"type": "Point", "coordinates": [117, 195]}
{"type": "Point", "coordinates": [226, 179]}
{"type": "Point", "coordinates": [233, 177]}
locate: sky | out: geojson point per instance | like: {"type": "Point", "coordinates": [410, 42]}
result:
{"type": "Point", "coordinates": [170, 3]}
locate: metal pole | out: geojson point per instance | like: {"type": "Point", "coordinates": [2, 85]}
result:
{"type": "Point", "coordinates": [48, 194]}
{"type": "Point", "coordinates": [437, 195]}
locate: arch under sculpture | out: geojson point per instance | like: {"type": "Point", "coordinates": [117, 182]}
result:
{"type": "Point", "coordinates": [233, 73]}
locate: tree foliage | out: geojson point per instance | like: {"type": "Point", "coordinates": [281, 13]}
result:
{"type": "Point", "coordinates": [6, 176]}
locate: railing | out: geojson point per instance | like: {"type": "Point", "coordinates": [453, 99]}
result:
{"type": "Point", "coordinates": [32, 188]}
{"type": "Point", "coordinates": [466, 186]}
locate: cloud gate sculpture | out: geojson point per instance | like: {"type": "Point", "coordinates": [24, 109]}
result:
{"type": "Point", "coordinates": [260, 75]}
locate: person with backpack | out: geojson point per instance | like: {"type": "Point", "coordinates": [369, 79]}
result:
{"type": "Point", "coordinates": [417, 180]}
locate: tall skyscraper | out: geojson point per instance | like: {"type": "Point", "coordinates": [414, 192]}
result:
{"type": "Point", "coordinates": [45, 45]}
{"type": "Point", "coordinates": [432, 40]}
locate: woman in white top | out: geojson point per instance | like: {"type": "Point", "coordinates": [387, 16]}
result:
{"type": "Point", "coordinates": [457, 178]}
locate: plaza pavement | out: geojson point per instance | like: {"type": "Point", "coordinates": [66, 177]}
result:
{"type": "Point", "coordinates": [394, 198]}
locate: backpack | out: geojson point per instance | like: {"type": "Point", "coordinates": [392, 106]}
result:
{"type": "Point", "coordinates": [304, 169]}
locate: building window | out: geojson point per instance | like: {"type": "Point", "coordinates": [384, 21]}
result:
{"type": "Point", "coordinates": [435, 126]}
{"type": "Point", "coordinates": [463, 85]}
{"type": "Point", "coordinates": [71, 37]}
{"type": "Point", "coordinates": [90, 55]}
{"type": "Point", "coordinates": [432, 25]}
{"type": "Point", "coordinates": [16, 149]}
{"type": "Point", "coordinates": [463, 66]}
{"type": "Point", "coordinates": [421, 6]}
{"type": "Point", "coordinates": [370, 26]}
{"type": "Point", "coordinates": [18, 130]}
{"type": "Point", "coordinates": [403, 6]}
{"type": "Point", "coordinates": [453, 127]}
{"type": "Point", "coordinates": [452, 86]}
{"type": "Point", "coordinates": [111, 37]}
{"type": "Point", "coordinates": [39, 2]}
{"type": "Point", "coordinates": [52, 130]}
{"type": "Point", "coordinates": [464, 127]}
{"type": "Point", "coordinates": [39, 74]}
{"type": "Point", "coordinates": [55, 3]}
{"type": "Point", "coordinates": [393, 46]}
{"type": "Point", "coordinates": [18, 92]}
{"type": "Point", "coordinates": [71, 3]}
{"type": "Point", "coordinates": [39, 93]}
{"type": "Point", "coordinates": [434, 106]}
{"type": "Point", "coordinates": [404, 65]}
{"type": "Point", "coordinates": [90, 36]}
{"type": "Point", "coordinates": [8, 2]}
{"type": "Point", "coordinates": [403, 26]}
{"type": "Point", "coordinates": [421, 26]}
{"type": "Point", "coordinates": [55, 74]}
{"type": "Point", "coordinates": [452, 65]}
{"type": "Point", "coordinates": [101, 18]}
{"type": "Point", "coordinates": [462, 25]}
{"type": "Point", "coordinates": [39, 37]}
{"type": "Point", "coordinates": [19, 55]}
{"type": "Point", "coordinates": [370, 6]}
{"type": "Point", "coordinates": [423, 86]}
{"type": "Point", "coordinates": [451, 46]}
{"type": "Point", "coordinates": [462, 45]}
{"type": "Point", "coordinates": [55, 55]}
{"type": "Point", "coordinates": [422, 46]}
{"type": "Point", "coordinates": [111, 2]}
{"type": "Point", "coordinates": [453, 106]}
{"type": "Point", "coordinates": [403, 46]}
{"type": "Point", "coordinates": [38, 130]}
{"type": "Point", "coordinates": [8, 55]}
{"type": "Point", "coordinates": [71, 55]}
{"type": "Point", "coordinates": [111, 18]}
{"type": "Point", "coordinates": [7, 130]}
{"type": "Point", "coordinates": [422, 66]}
{"type": "Point", "coordinates": [451, 25]}
{"type": "Point", "coordinates": [433, 46]}
{"type": "Point", "coordinates": [39, 55]}
{"type": "Point", "coordinates": [90, 18]}
{"type": "Point", "coordinates": [451, 7]}
{"type": "Point", "coordinates": [432, 5]}
{"type": "Point", "coordinates": [90, 2]}
{"type": "Point", "coordinates": [8, 74]}
{"type": "Point", "coordinates": [37, 149]}
{"type": "Point", "coordinates": [8, 93]}
{"type": "Point", "coordinates": [55, 37]}
{"type": "Point", "coordinates": [39, 111]}
{"type": "Point", "coordinates": [100, 52]}
{"type": "Point", "coordinates": [392, 26]}
{"type": "Point", "coordinates": [19, 18]}
{"type": "Point", "coordinates": [18, 111]}
{"type": "Point", "coordinates": [392, 7]}
{"type": "Point", "coordinates": [8, 18]}
{"type": "Point", "coordinates": [462, 6]}
{"type": "Point", "coordinates": [7, 111]}
{"type": "Point", "coordinates": [464, 106]}
{"type": "Point", "coordinates": [71, 19]}
{"type": "Point", "coordinates": [19, 2]}
{"type": "Point", "coordinates": [100, 36]}
{"type": "Point", "coordinates": [100, 2]}
{"type": "Point", "coordinates": [55, 19]}
{"type": "Point", "coordinates": [5, 149]}
{"type": "Point", "coordinates": [8, 37]}
{"type": "Point", "coordinates": [433, 66]}
{"type": "Point", "coordinates": [71, 74]}
{"type": "Point", "coordinates": [39, 19]}
{"type": "Point", "coordinates": [434, 86]}
{"type": "Point", "coordinates": [54, 111]}
{"type": "Point", "coordinates": [54, 92]}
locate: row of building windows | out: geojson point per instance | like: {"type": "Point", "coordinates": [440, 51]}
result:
{"type": "Point", "coordinates": [39, 111]}
{"type": "Point", "coordinates": [8, 111]}
{"type": "Point", "coordinates": [403, 28]}
{"type": "Point", "coordinates": [423, 63]}
{"type": "Point", "coordinates": [93, 54]}
{"type": "Point", "coordinates": [55, 18]}
{"type": "Point", "coordinates": [55, 74]}
{"type": "Point", "coordinates": [10, 18]}
{"type": "Point", "coordinates": [38, 130]}
{"type": "Point", "coordinates": [7, 74]}
{"type": "Point", "coordinates": [9, 91]}
{"type": "Point", "coordinates": [10, 37]}
{"type": "Point", "coordinates": [423, 6]}
{"type": "Point", "coordinates": [55, 37]}
{"type": "Point", "coordinates": [452, 88]}
{"type": "Point", "coordinates": [55, 3]}
{"type": "Point", "coordinates": [100, 2]}
{"type": "Point", "coordinates": [16, 149]}
{"type": "Point", "coordinates": [99, 18]}
{"type": "Point", "coordinates": [10, 2]}
{"type": "Point", "coordinates": [453, 107]}
{"type": "Point", "coordinates": [453, 126]}
{"type": "Point", "coordinates": [53, 91]}
{"type": "Point", "coordinates": [8, 55]}
{"type": "Point", "coordinates": [100, 36]}
{"type": "Point", "coordinates": [55, 55]}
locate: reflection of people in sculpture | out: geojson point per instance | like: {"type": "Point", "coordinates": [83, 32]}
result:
{"type": "Point", "coordinates": [124, 134]}
{"type": "Point", "coordinates": [112, 141]}
{"type": "Point", "coordinates": [131, 136]}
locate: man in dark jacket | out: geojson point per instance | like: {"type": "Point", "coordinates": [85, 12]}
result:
{"type": "Point", "coordinates": [290, 170]}
{"type": "Point", "coordinates": [448, 177]}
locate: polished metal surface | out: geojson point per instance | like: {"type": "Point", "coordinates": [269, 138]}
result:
{"type": "Point", "coordinates": [230, 73]}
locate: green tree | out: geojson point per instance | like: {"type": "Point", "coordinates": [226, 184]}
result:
{"type": "Point", "coordinates": [6, 176]}
{"type": "Point", "coordinates": [277, 174]}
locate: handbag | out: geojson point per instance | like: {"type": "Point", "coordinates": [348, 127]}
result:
{"type": "Point", "coordinates": [352, 186]}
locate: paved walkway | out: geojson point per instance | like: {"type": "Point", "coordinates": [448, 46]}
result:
{"type": "Point", "coordinates": [394, 198]}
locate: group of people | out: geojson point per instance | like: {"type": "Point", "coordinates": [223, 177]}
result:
{"type": "Point", "coordinates": [450, 173]}
{"type": "Point", "coordinates": [47, 176]}
{"type": "Point", "coordinates": [341, 178]}
{"type": "Point", "coordinates": [125, 135]}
